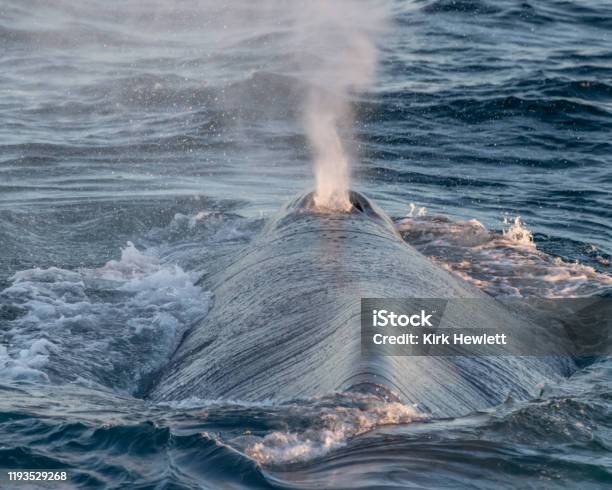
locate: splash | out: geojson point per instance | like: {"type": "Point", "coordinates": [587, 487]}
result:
{"type": "Point", "coordinates": [416, 211]}
{"type": "Point", "coordinates": [303, 429]}
{"type": "Point", "coordinates": [501, 264]}
{"type": "Point", "coordinates": [518, 233]}
{"type": "Point", "coordinates": [333, 429]}
{"type": "Point", "coordinates": [134, 309]}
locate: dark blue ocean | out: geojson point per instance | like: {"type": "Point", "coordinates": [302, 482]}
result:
{"type": "Point", "coordinates": [143, 142]}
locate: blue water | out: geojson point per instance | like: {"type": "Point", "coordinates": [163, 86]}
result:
{"type": "Point", "coordinates": [176, 127]}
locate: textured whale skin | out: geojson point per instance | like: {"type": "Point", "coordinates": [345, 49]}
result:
{"type": "Point", "coordinates": [286, 321]}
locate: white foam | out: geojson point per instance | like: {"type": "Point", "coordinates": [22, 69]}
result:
{"type": "Point", "coordinates": [132, 265]}
{"type": "Point", "coordinates": [518, 233]}
{"type": "Point", "coordinates": [314, 426]}
{"type": "Point", "coordinates": [414, 210]}
{"type": "Point", "coordinates": [502, 264]}
{"type": "Point", "coordinates": [25, 364]}
{"type": "Point", "coordinates": [111, 325]}
{"type": "Point", "coordinates": [332, 427]}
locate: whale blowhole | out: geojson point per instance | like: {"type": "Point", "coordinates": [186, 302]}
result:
{"type": "Point", "coordinates": [358, 204]}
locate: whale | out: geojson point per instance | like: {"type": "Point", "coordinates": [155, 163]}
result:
{"type": "Point", "coordinates": [285, 322]}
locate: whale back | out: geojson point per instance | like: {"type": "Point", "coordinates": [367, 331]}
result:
{"type": "Point", "coordinates": [286, 320]}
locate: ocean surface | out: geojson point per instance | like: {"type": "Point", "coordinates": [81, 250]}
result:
{"type": "Point", "coordinates": [142, 142]}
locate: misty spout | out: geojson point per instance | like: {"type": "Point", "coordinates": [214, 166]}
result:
{"type": "Point", "coordinates": [338, 41]}
{"type": "Point", "coordinates": [331, 163]}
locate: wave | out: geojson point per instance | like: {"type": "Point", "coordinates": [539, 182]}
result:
{"type": "Point", "coordinates": [134, 310]}
{"type": "Point", "coordinates": [106, 440]}
{"type": "Point", "coordinates": [311, 428]}
{"type": "Point", "coordinates": [502, 264]}
{"type": "Point", "coordinates": [260, 93]}
{"type": "Point", "coordinates": [586, 89]}
{"type": "Point", "coordinates": [475, 7]}
{"type": "Point", "coordinates": [535, 13]}
{"type": "Point", "coordinates": [579, 114]}
{"type": "Point", "coordinates": [386, 174]}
